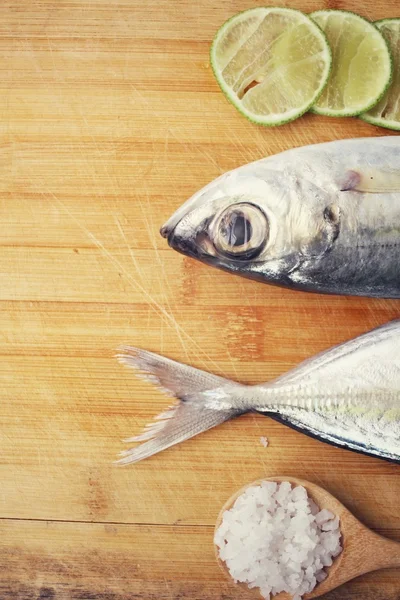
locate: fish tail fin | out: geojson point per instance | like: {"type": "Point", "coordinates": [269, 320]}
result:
{"type": "Point", "coordinates": [202, 403]}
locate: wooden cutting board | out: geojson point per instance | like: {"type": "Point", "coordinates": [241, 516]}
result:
{"type": "Point", "coordinates": [109, 119]}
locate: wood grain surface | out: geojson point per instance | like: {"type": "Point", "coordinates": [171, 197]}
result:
{"type": "Point", "coordinates": [109, 119]}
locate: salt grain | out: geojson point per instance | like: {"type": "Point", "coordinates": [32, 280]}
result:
{"type": "Point", "coordinates": [264, 441]}
{"type": "Point", "coordinates": [277, 539]}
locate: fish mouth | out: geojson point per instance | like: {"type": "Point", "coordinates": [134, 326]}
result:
{"type": "Point", "coordinates": [168, 232]}
{"type": "Point", "coordinates": [165, 230]}
{"type": "Point", "coordinates": [197, 246]}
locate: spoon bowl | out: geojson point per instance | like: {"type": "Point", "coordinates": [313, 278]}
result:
{"type": "Point", "coordinates": [363, 550]}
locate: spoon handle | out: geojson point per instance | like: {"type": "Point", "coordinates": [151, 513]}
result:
{"type": "Point", "coordinates": [386, 553]}
{"type": "Point", "coordinates": [364, 552]}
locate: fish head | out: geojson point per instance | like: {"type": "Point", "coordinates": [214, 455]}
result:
{"type": "Point", "coordinates": [254, 221]}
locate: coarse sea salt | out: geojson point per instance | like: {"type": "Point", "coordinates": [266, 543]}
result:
{"type": "Point", "coordinates": [277, 539]}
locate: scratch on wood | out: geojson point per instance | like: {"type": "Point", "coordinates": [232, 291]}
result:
{"type": "Point", "coordinates": [119, 266]}
{"type": "Point", "coordinates": [172, 132]}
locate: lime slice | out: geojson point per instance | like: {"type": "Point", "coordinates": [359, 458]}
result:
{"type": "Point", "coordinates": [361, 68]}
{"type": "Point", "coordinates": [271, 63]}
{"type": "Point", "coordinates": [387, 112]}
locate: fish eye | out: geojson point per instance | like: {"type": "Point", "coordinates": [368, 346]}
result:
{"type": "Point", "coordinates": [240, 231]}
{"type": "Point", "coordinates": [236, 231]}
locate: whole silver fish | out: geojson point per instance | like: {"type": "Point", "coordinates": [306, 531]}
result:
{"type": "Point", "coordinates": [348, 396]}
{"type": "Point", "coordinates": [322, 218]}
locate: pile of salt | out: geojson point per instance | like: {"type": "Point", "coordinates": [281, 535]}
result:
{"type": "Point", "coordinates": [276, 538]}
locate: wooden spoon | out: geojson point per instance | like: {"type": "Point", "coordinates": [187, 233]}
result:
{"type": "Point", "coordinates": [363, 550]}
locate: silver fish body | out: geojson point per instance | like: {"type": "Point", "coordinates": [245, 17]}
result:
{"type": "Point", "coordinates": [322, 218]}
{"type": "Point", "coordinates": [348, 396]}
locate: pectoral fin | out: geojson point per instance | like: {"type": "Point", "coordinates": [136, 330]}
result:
{"type": "Point", "coordinates": [370, 180]}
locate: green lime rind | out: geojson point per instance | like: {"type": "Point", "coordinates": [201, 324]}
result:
{"type": "Point", "coordinates": [282, 119]}
{"type": "Point", "coordinates": [391, 124]}
{"type": "Point", "coordinates": [386, 124]}
{"type": "Point", "coordinates": [385, 20]}
{"type": "Point", "coordinates": [354, 113]}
